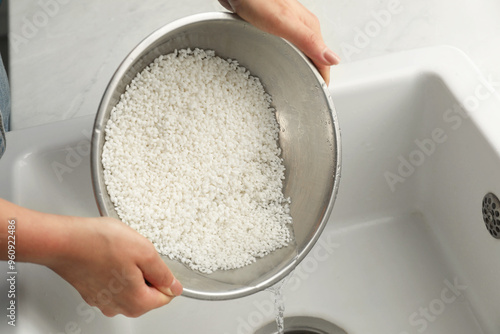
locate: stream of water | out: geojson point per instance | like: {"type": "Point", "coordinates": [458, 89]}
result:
{"type": "Point", "coordinates": [279, 303]}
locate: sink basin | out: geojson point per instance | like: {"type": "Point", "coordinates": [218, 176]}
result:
{"type": "Point", "coordinates": [405, 251]}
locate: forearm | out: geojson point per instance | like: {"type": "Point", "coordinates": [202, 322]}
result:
{"type": "Point", "coordinates": [92, 254]}
{"type": "Point", "coordinates": [38, 236]}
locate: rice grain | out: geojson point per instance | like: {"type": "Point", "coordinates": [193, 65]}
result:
{"type": "Point", "coordinates": [192, 162]}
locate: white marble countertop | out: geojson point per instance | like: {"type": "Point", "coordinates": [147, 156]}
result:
{"type": "Point", "coordinates": [63, 53]}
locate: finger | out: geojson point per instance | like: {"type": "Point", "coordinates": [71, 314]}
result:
{"type": "Point", "coordinates": [325, 72]}
{"type": "Point", "coordinates": [149, 299]}
{"type": "Point", "coordinates": [110, 313]}
{"type": "Point", "coordinates": [137, 299]}
{"type": "Point", "coordinates": [157, 273]}
{"type": "Point", "coordinates": [145, 300]}
{"type": "Point", "coordinates": [156, 298]}
{"type": "Point", "coordinates": [312, 46]}
{"type": "Point", "coordinates": [309, 41]}
{"type": "Point", "coordinates": [309, 37]}
{"type": "Point", "coordinates": [293, 22]}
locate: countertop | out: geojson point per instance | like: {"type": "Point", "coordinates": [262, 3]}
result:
{"type": "Point", "coordinates": [63, 53]}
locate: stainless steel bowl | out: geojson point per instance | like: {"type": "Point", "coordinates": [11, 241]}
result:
{"type": "Point", "coordinates": [309, 138]}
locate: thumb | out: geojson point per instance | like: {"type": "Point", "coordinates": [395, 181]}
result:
{"type": "Point", "coordinates": [158, 275]}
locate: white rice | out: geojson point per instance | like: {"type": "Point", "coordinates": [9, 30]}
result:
{"type": "Point", "coordinates": [191, 161]}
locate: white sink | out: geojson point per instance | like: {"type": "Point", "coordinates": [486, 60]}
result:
{"type": "Point", "coordinates": [405, 251]}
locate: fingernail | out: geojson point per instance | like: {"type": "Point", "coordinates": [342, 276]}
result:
{"type": "Point", "coordinates": [175, 289]}
{"type": "Point", "coordinates": [331, 57]}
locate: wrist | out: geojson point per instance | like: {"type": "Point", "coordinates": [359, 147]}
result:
{"type": "Point", "coordinates": [41, 238]}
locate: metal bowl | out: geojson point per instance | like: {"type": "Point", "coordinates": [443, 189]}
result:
{"type": "Point", "coordinates": [309, 139]}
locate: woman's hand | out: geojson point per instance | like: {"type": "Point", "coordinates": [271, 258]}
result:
{"type": "Point", "coordinates": [292, 21]}
{"type": "Point", "coordinates": [115, 268]}
{"type": "Point", "coordinates": [112, 266]}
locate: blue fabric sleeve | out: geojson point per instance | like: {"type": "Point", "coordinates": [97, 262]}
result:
{"type": "Point", "coordinates": [4, 106]}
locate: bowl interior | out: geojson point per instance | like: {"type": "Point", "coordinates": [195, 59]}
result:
{"type": "Point", "coordinates": [309, 138]}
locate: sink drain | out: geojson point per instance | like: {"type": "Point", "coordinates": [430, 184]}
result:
{"type": "Point", "coordinates": [491, 214]}
{"type": "Point", "coordinates": [303, 325]}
